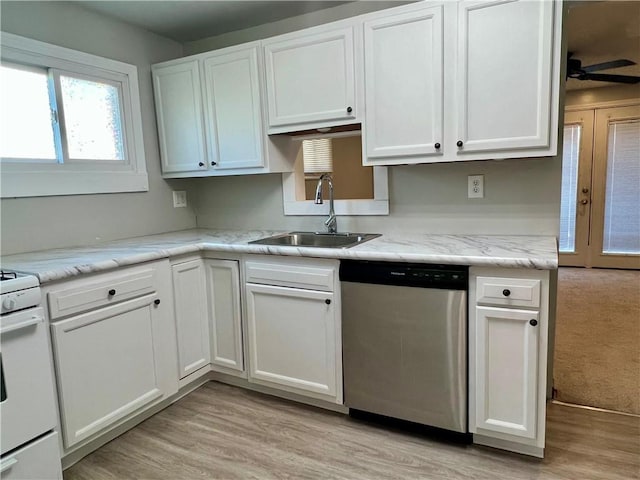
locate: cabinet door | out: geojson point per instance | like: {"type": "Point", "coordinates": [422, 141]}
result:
{"type": "Point", "coordinates": [403, 71]}
{"type": "Point", "coordinates": [506, 373]}
{"type": "Point", "coordinates": [107, 364]}
{"type": "Point", "coordinates": [504, 75]}
{"type": "Point", "coordinates": [311, 78]}
{"type": "Point", "coordinates": [192, 326]}
{"type": "Point", "coordinates": [233, 108]}
{"type": "Point", "coordinates": [292, 339]}
{"type": "Point", "coordinates": [223, 287]}
{"type": "Point", "coordinates": [179, 113]}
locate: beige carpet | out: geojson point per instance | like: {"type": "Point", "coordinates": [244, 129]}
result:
{"type": "Point", "coordinates": [597, 353]}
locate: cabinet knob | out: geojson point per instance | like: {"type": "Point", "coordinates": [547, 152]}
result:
{"type": "Point", "coordinates": [585, 190]}
{"type": "Point", "coordinates": [156, 301]}
{"type": "Point", "coordinates": [437, 146]}
{"type": "Point", "coordinates": [112, 292]}
{"type": "Point", "coordinates": [327, 301]}
{"type": "Point", "coordinates": [584, 201]}
{"type": "Point", "coordinates": [349, 109]}
{"type": "Point", "coordinates": [200, 164]}
{"type": "Point", "coordinates": [506, 292]}
{"type": "Point", "coordinates": [533, 322]}
{"type": "Point", "coordinates": [213, 164]}
{"type": "Point", "coordinates": [459, 143]}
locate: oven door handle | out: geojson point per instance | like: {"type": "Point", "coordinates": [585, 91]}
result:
{"type": "Point", "coordinates": [7, 464]}
{"type": "Point", "coordinates": [19, 326]}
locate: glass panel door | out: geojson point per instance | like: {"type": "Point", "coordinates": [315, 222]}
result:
{"type": "Point", "coordinates": [615, 213]}
{"type": "Point", "coordinates": [576, 188]}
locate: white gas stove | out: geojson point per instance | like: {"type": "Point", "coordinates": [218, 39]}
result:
{"type": "Point", "coordinates": [28, 440]}
{"type": "Point", "coordinates": [18, 291]}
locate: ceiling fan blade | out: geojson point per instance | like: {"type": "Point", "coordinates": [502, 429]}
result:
{"type": "Point", "coordinates": [603, 77]}
{"type": "Point", "coordinates": [623, 62]}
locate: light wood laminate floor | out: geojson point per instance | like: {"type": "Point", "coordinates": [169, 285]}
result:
{"type": "Point", "coordinates": [219, 431]}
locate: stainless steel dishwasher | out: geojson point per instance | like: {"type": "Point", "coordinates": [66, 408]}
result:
{"type": "Point", "coordinates": [404, 341]}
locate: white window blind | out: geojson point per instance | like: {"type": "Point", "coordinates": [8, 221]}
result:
{"type": "Point", "coordinates": [622, 199]}
{"type": "Point", "coordinates": [570, 164]}
{"type": "Point", "coordinates": [318, 155]}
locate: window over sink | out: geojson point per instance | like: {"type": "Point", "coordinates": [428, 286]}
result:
{"type": "Point", "coordinates": [358, 189]}
{"type": "Point", "coordinates": [70, 122]}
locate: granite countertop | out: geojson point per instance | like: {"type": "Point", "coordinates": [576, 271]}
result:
{"type": "Point", "coordinates": [518, 251]}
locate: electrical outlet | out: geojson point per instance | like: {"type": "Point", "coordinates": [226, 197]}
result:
{"type": "Point", "coordinates": [476, 186]}
{"type": "Point", "coordinates": [179, 199]}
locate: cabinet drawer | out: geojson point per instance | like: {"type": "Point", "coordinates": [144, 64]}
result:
{"type": "Point", "coordinates": [518, 292]}
{"type": "Point", "coordinates": [81, 296]}
{"type": "Point", "coordinates": [291, 275]}
{"type": "Point", "coordinates": [39, 460]}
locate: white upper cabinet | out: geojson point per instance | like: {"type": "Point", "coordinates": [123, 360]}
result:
{"type": "Point", "coordinates": [310, 78]}
{"type": "Point", "coordinates": [504, 75]}
{"type": "Point", "coordinates": [403, 92]}
{"type": "Point", "coordinates": [210, 116]}
{"type": "Point", "coordinates": [467, 80]}
{"type": "Point", "coordinates": [179, 113]}
{"type": "Point", "coordinates": [233, 112]}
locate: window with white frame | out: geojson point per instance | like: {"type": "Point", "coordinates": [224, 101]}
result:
{"type": "Point", "coordinates": [70, 122]}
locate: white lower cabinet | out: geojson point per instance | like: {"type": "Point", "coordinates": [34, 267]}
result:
{"type": "Point", "coordinates": [508, 330]}
{"type": "Point", "coordinates": [294, 334]}
{"type": "Point", "coordinates": [192, 326]}
{"type": "Point", "coordinates": [116, 359]}
{"type": "Point", "coordinates": [506, 370]}
{"type": "Point", "coordinates": [225, 317]}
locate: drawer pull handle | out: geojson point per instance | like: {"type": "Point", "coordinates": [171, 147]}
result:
{"type": "Point", "coordinates": [156, 301]}
{"type": "Point", "coordinates": [533, 322]}
{"type": "Point", "coordinates": [506, 292]}
{"type": "Point", "coordinates": [112, 292]}
{"type": "Point", "coordinates": [7, 464]}
{"type": "Point", "coordinates": [34, 320]}
{"type": "Point", "coordinates": [327, 301]}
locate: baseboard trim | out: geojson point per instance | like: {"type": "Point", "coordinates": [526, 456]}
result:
{"type": "Point", "coordinates": [596, 409]}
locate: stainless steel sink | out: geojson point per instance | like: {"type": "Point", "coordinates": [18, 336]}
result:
{"type": "Point", "coordinates": [317, 239]}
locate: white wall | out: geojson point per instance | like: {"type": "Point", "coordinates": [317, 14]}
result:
{"type": "Point", "coordinates": [29, 224]}
{"type": "Point", "coordinates": [289, 25]}
{"type": "Point", "coordinates": [521, 196]}
{"type": "Point", "coordinates": [591, 96]}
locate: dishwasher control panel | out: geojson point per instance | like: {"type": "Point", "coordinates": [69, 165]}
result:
{"type": "Point", "coordinates": [421, 275]}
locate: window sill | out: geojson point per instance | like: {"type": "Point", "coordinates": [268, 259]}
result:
{"type": "Point", "coordinates": [42, 184]}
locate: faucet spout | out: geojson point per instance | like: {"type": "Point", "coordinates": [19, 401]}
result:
{"type": "Point", "coordinates": [332, 221]}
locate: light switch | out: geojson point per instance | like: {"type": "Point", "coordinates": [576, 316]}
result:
{"type": "Point", "coordinates": [179, 199]}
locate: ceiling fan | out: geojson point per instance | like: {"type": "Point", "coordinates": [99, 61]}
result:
{"type": "Point", "coordinates": [577, 71]}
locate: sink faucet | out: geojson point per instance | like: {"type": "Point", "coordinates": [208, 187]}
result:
{"type": "Point", "coordinates": [332, 221]}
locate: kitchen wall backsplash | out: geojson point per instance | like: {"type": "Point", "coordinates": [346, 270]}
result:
{"type": "Point", "coordinates": [521, 197]}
